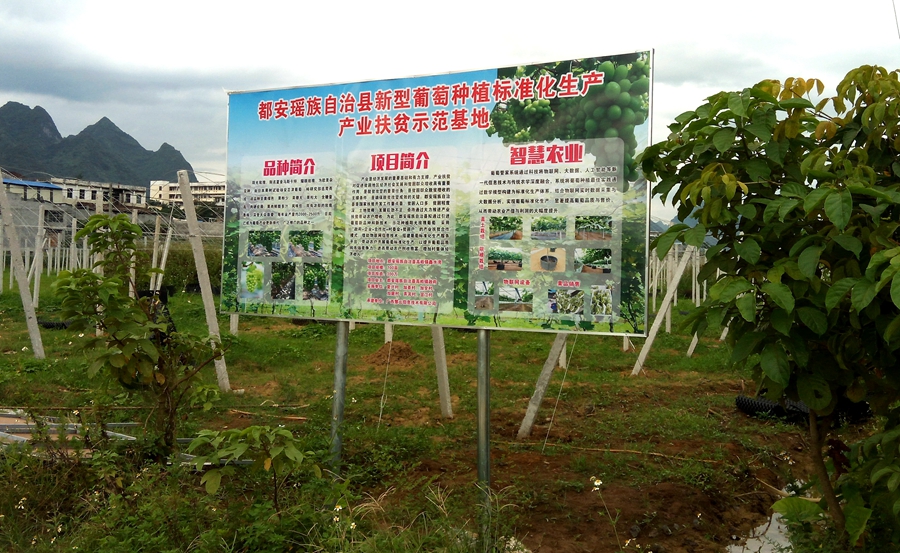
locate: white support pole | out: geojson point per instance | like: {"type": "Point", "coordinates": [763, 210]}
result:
{"type": "Point", "coordinates": [694, 341]}
{"type": "Point", "coordinates": [2, 257]}
{"type": "Point", "coordinates": [39, 268]}
{"type": "Point", "coordinates": [38, 257]}
{"type": "Point", "coordinates": [98, 256]}
{"type": "Point", "coordinates": [559, 344]}
{"type": "Point", "coordinates": [18, 267]}
{"type": "Point", "coordinates": [155, 252]}
{"type": "Point", "coordinates": [389, 333]}
{"type": "Point", "coordinates": [666, 306]}
{"type": "Point", "coordinates": [162, 261]}
{"type": "Point", "coordinates": [440, 365]}
{"type": "Point", "coordinates": [202, 274]}
{"type": "Point", "coordinates": [233, 323]}
{"type": "Point", "coordinates": [672, 283]}
{"type": "Point", "coordinates": [352, 326]}
{"type": "Point", "coordinates": [133, 271]}
{"type": "Point", "coordinates": [563, 362]}
{"type": "Point", "coordinates": [73, 249]}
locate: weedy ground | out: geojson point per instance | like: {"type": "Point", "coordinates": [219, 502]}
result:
{"type": "Point", "coordinates": [680, 469]}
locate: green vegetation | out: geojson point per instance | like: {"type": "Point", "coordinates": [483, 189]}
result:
{"type": "Point", "coordinates": [805, 205]}
{"type": "Point", "coordinates": [408, 481]}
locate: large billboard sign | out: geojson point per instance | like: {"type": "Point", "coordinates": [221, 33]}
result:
{"type": "Point", "coordinates": [507, 198]}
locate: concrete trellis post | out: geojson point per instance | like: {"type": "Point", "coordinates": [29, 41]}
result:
{"type": "Point", "coordinates": [202, 274]}
{"type": "Point", "coordinates": [559, 345]}
{"type": "Point", "coordinates": [666, 306]}
{"type": "Point", "coordinates": [18, 267]}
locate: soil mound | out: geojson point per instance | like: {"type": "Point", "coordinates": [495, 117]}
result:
{"type": "Point", "coordinates": [399, 354]}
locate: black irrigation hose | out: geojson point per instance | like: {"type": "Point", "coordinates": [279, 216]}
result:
{"type": "Point", "coordinates": [793, 411]}
{"type": "Point", "coordinates": [798, 413]}
{"type": "Point", "coordinates": [54, 325]}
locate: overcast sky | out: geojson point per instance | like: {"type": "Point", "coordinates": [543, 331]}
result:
{"type": "Point", "coordinates": [160, 70]}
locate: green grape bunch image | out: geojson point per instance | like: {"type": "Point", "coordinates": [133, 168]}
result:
{"type": "Point", "coordinates": [254, 278]}
{"type": "Point", "coordinates": [609, 110]}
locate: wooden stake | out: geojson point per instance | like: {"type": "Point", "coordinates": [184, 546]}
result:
{"type": "Point", "coordinates": [202, 274]}
{"type": "Point", "coordinates": [18, 266]}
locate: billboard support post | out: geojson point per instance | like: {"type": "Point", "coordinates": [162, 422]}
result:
{"type": "Point", "coordinates": [484, 431]}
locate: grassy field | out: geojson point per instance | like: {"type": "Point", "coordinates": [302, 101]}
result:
{"type": "Point", "coordinates": [681, 468]}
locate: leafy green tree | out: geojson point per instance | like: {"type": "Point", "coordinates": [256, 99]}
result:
{"type": "Point", "coordinates": [135, 343]}
{"type": "Point", "coordinates": [805, 205]}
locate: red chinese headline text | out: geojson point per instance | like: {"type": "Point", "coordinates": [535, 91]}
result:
{"type": "Point", "coordinates": [279, 167]}
{"type": "Point", "coordinates": [539, 154]}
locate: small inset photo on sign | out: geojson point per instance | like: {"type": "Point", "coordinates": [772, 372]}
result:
{"type": "Point", "coordinates": [505, 228]}
{"type": "Point", "coordinates": [284, 279]}
{"type": "Point", "coordinates": [601, 301]}
{"type": "Point", "coordinates": [593, 260]}
{"type": "Point", "coordinates": [252, 277]}
{"type": "Point", "coordinates": [304, 243]}
{"type": "Point", "coordinates": [516, 299]}
{"type": "Point", "coordinates": [593, 227]}
{"type": "Point", "coordinates": [548, 228]}
{"type": "Point", "coordinates": [264, 243]}
{"type": "Point", "coordinates": [484, 295]}
{"type": "Point", "coordinates": [315, 282]}
{"type": "Point", "coordinates": [548, 259]}
{"type": "Point", "coordinates": [505, 259]}
{"type": "Point", "coordinates": [567, 301]}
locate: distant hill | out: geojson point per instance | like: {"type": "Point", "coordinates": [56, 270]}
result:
{"type": "Point", "coordinates": [31, 146]}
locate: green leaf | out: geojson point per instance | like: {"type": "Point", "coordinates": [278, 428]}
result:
{"type": "Point", "coordinates": [746, 210]}
{"type": "Point", "coordinates": [746, 304]}
{"type": "Point", "coordinates": [837, 292]}
{"type": "Point", "coordinates": [757, 169]}
{"type": "Point", "coordinates": [798, 509]}
{"type": "Point", "coordinates": [815, 198]}
{"type": "Point", "coordinates": [212, 479]}
{"type": "Point", "coordinates": [780, 294]}
{"type": "Point", "coordinates": [850, 243]}
{"type": "Point", "coordinates": [777, 150]}
{"type": "Point", "coordinates": [782, 321]}
{"type": "Point", "coordinates": [895, 290]}
{"type": "Point", "coordinates": [665, 240]}
{"type": "Point", "coordinates": [738, 104]}
{"type": "Point", "coordinates": [795, 103]}
{"type": "Point", "coordinates": [863, 294]}
{"type": "Point", "coordinates": [892, 329]}
{"type": "Point", "coordinates": [724, 138]}
{"type": "Point", "coordinates": [695, 236]}
{"type": "Point", "coordinates": [814, 319]}
{"type": "Point", "coordinates": [839, 208]}
{"type": "Point", "coordinates": [856, 516]}
{"type": "Point", "coordinates": [775, 365]}
{"type": "Point", "coordinates": [746, 345]}
{"type": "Point", "coordinates": [748, 249]}
{"type": "Point", "coordinates": [814, 391]}
{"type": "Point", "coordinates": [786, 207]}
{"type": "Point", "coordinates": [808, 261]}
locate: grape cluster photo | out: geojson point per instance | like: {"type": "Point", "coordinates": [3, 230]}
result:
{"type": "Point", "coordinates": [609, 110]}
